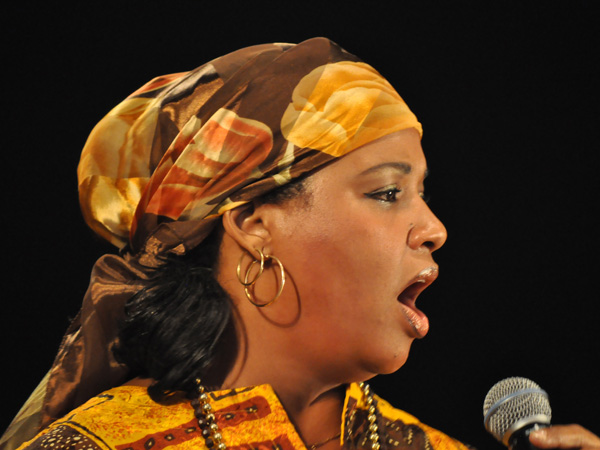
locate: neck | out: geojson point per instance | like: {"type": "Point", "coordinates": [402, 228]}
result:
{"type": "Point", "coordinates": [314, 408]}
{"type": "Point", "coordinates": [319, 420]}
{"type": "Point", "coordinates": [313, 405]}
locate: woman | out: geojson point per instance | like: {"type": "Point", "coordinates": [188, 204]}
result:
{"type": "Point", "coordinates": [274, 239]}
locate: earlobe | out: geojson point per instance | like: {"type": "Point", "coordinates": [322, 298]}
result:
{"type": "Point", "coordinates": [245, 225]}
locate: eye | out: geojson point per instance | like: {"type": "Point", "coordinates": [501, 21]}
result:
{"type": "Point", "coordinates": [388, 195]}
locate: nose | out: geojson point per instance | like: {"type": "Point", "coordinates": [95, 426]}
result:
{"type": "Point", "coordinates": [428, 232]}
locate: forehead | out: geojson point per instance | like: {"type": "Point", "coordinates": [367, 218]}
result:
{"type": "Point", "coordinates": [400, 151]}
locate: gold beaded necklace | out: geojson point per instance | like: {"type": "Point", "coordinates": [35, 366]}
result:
{"type": "Point", "coordinates": [320, 444]}
{"type": "Point", "coordinates": [214, 439]}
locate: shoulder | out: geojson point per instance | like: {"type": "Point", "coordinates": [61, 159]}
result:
{"type": "Point", "coordinates": [399, 429]}
{"type": "Point", "coordinates": [404, 427]}
{"type": "Point", "coordinates": [61, 437]}
{"type": "Point", "coordinates": [115, 419]}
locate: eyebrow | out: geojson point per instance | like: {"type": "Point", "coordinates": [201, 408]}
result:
{"type": "Point", "coordinates": [399, 166]}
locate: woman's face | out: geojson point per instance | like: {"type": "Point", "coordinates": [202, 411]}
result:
{"type": "Point", "coordinates": [359, 251]}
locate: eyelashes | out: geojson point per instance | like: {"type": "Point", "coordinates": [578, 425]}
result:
{"type": "Point", "coordinates": [390, 195]}
{"type": "Point", "coordinates": [387, 195]}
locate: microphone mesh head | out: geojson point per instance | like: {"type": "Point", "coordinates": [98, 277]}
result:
{"type": "Point", "coordinates": [513, 400]}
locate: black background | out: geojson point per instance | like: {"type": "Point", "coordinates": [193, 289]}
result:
{"type": "Point", "coordinates": [507, 93]}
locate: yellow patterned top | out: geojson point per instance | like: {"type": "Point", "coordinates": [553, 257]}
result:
{"type": "Point", "coordinates": [125, 418]}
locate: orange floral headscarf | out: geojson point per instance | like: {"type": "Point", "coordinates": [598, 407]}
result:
{"type": "Point", "coordinates": [158, 171]}
{"type": "Point", "coordinates": [186, 147]}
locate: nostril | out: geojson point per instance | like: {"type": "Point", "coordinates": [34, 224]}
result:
{"type": "Point", "coordinates": [430, 245]}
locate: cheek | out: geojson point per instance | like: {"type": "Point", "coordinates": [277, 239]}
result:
{"type": "Point", "coordinates": [335, 252]}
{"type": "Point", "coordinates": [346, 269]}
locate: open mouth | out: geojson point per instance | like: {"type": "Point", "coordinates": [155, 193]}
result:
{"type": "Point", "coordinates": [408, 297]}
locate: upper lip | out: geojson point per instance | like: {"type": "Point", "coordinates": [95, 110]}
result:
{"type": "Point", "coordinates": [418, 284]}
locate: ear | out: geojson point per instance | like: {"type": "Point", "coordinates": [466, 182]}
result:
{"type": "Point", "coordinates": [246, 226]}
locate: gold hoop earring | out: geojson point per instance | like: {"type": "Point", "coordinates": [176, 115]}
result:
{"type": "Point", "coordinates": [247, 284]}
{"type": "Point", "coordinates": [245, 281]}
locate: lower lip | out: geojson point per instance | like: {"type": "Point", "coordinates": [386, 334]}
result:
{"type": "Point", "coordinates": [417, 320]}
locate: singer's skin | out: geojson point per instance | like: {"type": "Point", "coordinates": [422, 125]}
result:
{"type": "Point", "coordinates": [565, 436]}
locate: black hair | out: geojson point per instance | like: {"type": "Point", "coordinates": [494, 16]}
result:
{"type": "Point", "coordinates": [172, 328]}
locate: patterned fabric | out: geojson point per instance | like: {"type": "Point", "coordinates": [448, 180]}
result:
{"type": "Point", "coordinates": [125, 418]}
{"type": "Point", "coordinates": [186, 147]}
{"type": "Point", "coordinates": [158, 171]}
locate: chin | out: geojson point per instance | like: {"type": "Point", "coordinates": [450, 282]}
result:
{"type": "Point", "coordinates": [389, 362]}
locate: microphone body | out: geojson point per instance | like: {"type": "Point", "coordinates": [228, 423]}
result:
{"type": "Point", "coordinates": [513, 408]}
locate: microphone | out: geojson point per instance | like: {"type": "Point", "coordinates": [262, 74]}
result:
{"type": "Point", "coordinates": [513, 408]}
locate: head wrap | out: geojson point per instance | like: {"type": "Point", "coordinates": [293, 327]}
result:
{"type": "Point", "coordinates": [158, 171]}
